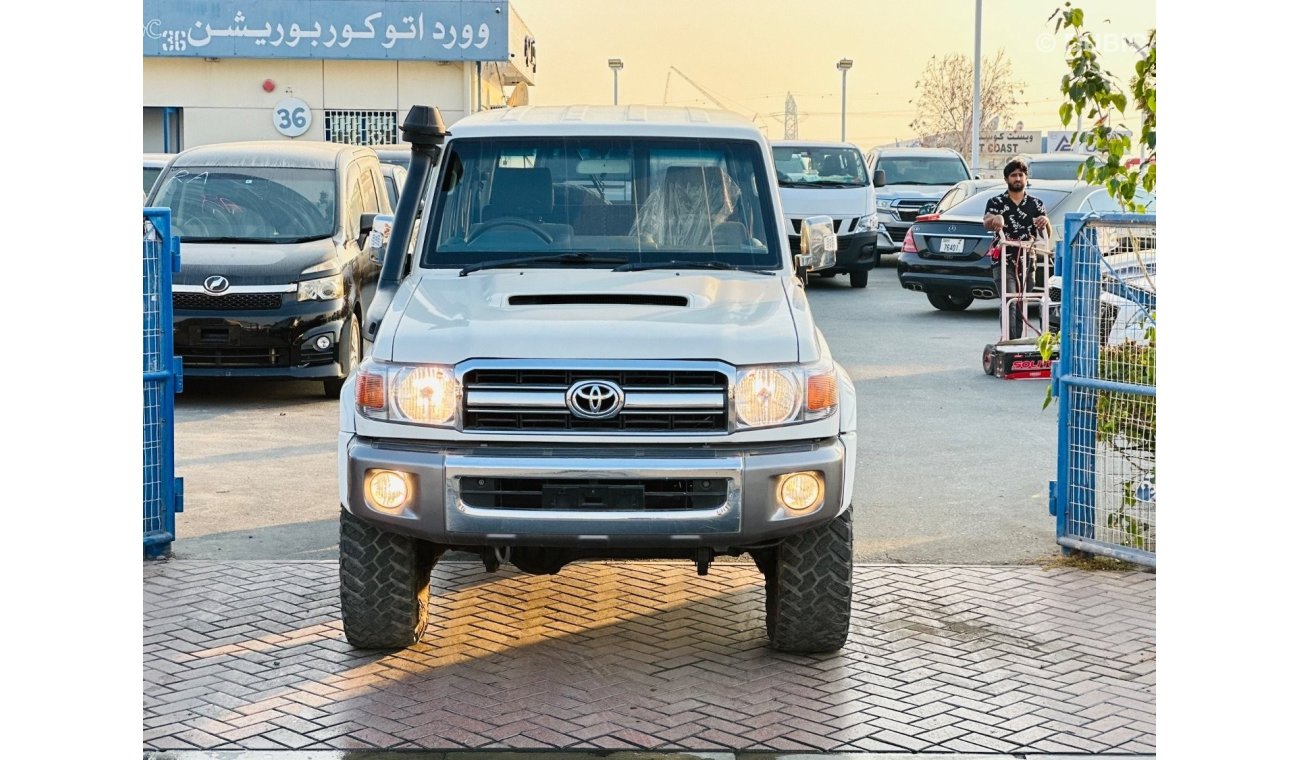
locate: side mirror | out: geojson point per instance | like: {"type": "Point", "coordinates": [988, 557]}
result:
{"type": "Point", "coordinates": [367, 222]}
{"type": "Point", "coordinates": [878, 178]}
{"type": "Point", "coordinates": [817, 243]}
{"type": "Point", "coordinates": [379, 230]}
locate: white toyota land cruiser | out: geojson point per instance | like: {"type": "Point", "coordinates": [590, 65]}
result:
{"type": "Point", "coordinates": [598, 347]}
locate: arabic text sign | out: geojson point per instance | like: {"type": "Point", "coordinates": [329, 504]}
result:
{"type": "Point", "coordinates": [427, 30]}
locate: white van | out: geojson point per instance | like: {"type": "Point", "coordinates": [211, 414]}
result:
{"type": "Point", "coordinates": [830, 178]}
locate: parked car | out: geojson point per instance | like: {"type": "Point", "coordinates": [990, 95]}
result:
{"type": "Point", "coordinates": [830, 179]}
{"type": "Point", "coordinates": [1126, 293]}
{"type": "Point", "coordinates": [958, 193]}
{"type": "Point", "coordinates": [273, 278]}
{"type": "Point", "coordinates": [913, 178]}
{"type": "Point", "coordinates": [949, 258]}
{"type": "Point", "coordinates": [394, 181]}
{"type": "Point", "coordinates": [568, 374]}
{"type": "Point", "coordinates": [1062, 165]}
{"type": "Point", "coordinates": [397, 154]}
{"type": "Point", "coordinates": [154, 163]}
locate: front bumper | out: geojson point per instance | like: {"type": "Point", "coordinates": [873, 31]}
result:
{"type": "Point", "coordinates": [857, 252]}
{"type": "Point", "coordinates": [262, 343]}
{"type": "Point", "coordinates": [746, 510]}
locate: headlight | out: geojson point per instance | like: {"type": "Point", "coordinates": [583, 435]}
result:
{"type": "Point", "coordinates": [422, 394]}
{"type": "Point", "coordinates": [869, 223]}
{"type": "Point", "coordinates": [782, 395]}
{"type": "Point", "coordinates": [885, 208]}
{"type": "Point", "coordinates": [321, 289]}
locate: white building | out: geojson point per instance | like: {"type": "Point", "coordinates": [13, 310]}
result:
{"type": "Point", "coordinates": [338, 70]}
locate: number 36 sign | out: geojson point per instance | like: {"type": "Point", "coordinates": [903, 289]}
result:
{"type": "Point", "coordinates": [291, 117]}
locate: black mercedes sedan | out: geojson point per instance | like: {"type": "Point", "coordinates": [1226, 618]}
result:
{"type": "Point", "coordinates": [950, 256]}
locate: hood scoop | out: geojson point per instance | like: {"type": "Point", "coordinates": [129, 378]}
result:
{"type": "Point", "coordinates": [619, 299]}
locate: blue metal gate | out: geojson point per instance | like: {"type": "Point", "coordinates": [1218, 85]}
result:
{"type": "Point", "coordinates": [163, 492]}
{"type": "Point", "coordinates": [1104, 496]}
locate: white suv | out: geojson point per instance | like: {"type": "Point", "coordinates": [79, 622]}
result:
{"type": "Point", "coordinates": [600, 350]}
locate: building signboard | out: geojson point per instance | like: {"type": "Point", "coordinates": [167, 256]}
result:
{"type": "Point", "coordinates": [419, 30]}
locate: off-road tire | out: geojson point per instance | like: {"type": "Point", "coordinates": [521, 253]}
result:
{"type": "Point", "coordinates": [950, 301]}
{"type": "Point", "coordinates": [810, 588]}
{"type": "Point", "coordinates": [858, 279]}
{"type": "Point", "coordinates": [383, 584]}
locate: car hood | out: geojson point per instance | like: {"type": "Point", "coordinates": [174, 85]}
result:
{"type": "Point", "coordinates": [925, 192]}
{"type": "Point", "coordinates": [739, 317]}
{"type": "Point", "coordinates": [836, 202]}
{"type": "Point", "coordinates": [253, 263]}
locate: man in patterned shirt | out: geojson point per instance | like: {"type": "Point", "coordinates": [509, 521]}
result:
{"type": "Point", "coordinates": [1015, 212]}
{"type": "Point", "coordinates": [1019, 216]}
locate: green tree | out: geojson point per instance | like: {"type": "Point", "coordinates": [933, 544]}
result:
{"type": "Point", "coordinates": [1093, 94]}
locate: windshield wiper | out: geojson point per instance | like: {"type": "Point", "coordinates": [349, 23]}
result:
{"type": "Point", "coordinates": [563, 258]}
{"type": "Point", "coordinates": [644, 265]}
{"type": "Point", "coordinates": [188, 239]}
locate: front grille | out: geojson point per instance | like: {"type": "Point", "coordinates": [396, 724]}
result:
{"type": "Point", "coordinates": [229, 302]}
{"type": "Point", "coordinates": [648, 494]}
{"type": "Point", "coordinates": [907, 210]}
{"type": "Point", "coordinates": [202, 356]}
{"type": "Point", "coordinates": [551, 384]}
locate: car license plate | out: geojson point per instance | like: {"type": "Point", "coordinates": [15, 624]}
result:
{"type": "Point", "coordinates": [951, 245]}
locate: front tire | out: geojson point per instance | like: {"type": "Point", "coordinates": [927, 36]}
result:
{"type": "Point", "coordinates": [858, 279]}
{"type": "Point", "coordinates": [349, 357]}
{"type": "Point", "coordinates": [383, 585]}
{"type": "Point", "coordinates": [949, 301]}
{"type": "Point", "coordinates": [810, 588]}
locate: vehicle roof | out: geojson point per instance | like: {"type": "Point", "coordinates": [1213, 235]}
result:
{"type": "Point", "coordinates": [903, 151]}
{"type": "Point", "coordinates": [1056, 156]}
{"type": "Point", "coordinates": [811, 144]}
{"type": "Point", "coordinates": [651, 120]}
{"type": "Point", "coordinates": [302, 154]}
{"type": "Point", "coordinates": [157, 159]}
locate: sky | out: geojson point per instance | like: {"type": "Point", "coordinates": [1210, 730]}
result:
{"type": "Point", "coordinates": [749, 54]}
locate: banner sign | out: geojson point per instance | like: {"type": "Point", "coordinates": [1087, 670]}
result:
{"type": "Point", "coordinates": [408, 30]}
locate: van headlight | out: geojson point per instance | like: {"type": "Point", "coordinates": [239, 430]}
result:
{"type": "Point", "coordinates": [868, 223]}
{"type": "Point", "coordinates": [321, 289]}
{"type": "Point", "coordinates": [422, 394]}
{"type": "Point", "coordinates": [785, 394]}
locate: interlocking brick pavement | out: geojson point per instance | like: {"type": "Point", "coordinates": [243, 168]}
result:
{"type": "Point", "coordinates": [648, 655]}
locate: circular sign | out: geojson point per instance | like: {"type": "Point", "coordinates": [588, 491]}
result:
{"type": "Point", "coordinates": [291, 117]}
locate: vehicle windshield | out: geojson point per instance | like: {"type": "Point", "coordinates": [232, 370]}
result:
{"type": "Point", "coordinates": [923, 170]}
{"type": "Point", "coordinates": [150, 176]}
{"type": "Point", "coordinates": [639, 200]}
{"type": "Point", "coordinates": [974, 205]}
{"type": "Point", "coordinates": [250, 204]}
{"type": "Point", "coordinates": [808, 166]}
{"type": "Point", "coordinates": [1055, 169]}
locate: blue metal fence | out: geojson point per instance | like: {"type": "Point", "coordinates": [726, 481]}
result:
{"type": "Point", "coordinates": [163, 492]}
{"type": "Point", "coordinates": [1104, 496]}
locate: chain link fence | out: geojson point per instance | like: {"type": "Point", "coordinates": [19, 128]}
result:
{"type": "Point", "coordinates": [1104, 497]}
{"type": "Point", "coordinates": [162, 378]}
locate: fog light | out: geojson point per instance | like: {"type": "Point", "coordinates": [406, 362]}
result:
{"type": "Point", "coordinates": [388, 490]}
{"type": "Point", "coordinates": [324, 342]}
{"type": "Point", "coordinates": [800, 491]}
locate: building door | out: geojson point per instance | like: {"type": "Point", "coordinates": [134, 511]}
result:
{"type": "Point", "coordinates": [162, 129]}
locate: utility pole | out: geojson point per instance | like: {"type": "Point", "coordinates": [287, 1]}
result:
{"type": "Point", "coordinates": [844, 65]}
{"type": "Point", "coordinates": [614, 65]}
{"type": "Point", "coordinates": [791, 118]}
{"type": "Point", "coordinates": [975, 102]}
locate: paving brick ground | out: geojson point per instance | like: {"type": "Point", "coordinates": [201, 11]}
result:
{"type": "Point", "coordinates": [633, 656]}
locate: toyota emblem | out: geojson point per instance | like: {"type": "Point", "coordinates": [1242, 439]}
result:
{"type": "Point", "coordinates": [216, 284]}
{"type": "Point", "coordinates": [594, 399]}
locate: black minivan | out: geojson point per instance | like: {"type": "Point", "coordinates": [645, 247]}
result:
{"type": "Point", "coordinates": [275, 275]}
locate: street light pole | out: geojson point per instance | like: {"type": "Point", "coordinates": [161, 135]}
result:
{"type": "Point", "coordinates": [614, 65]}
{"type": "Point", "coordinates": [975, 103]}
{"type": "Point", "coordinates": [844, 65]}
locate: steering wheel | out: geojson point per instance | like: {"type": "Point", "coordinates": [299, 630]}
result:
{"type": "Point", "coordinates": [510, 221]}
